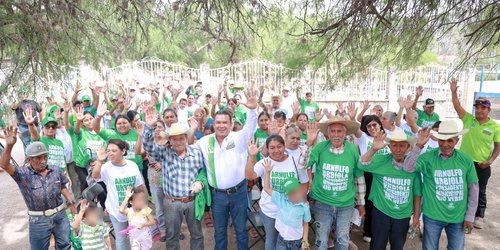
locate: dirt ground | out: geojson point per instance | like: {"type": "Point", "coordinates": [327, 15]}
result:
{"type": "Point", "coordinates": [14, 220]}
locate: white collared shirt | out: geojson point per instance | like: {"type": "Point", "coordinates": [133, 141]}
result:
{"type": "Point", "coordinates": [230, 157]}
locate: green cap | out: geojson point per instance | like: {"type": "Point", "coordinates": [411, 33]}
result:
{"type": "Point", "coordinates": [291, 184]}
{"type": "Point", "coordinates": [86, 98]}
{"type": "Point", "coordinates": [52, 109]}
{"type": "Point", "coordinates": [23, 90]}
{"type": "Point", "coordinates": [49, 119]}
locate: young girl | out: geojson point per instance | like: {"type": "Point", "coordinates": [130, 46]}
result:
{"type": "Point", "coordinates": [139, 216]}
{"type": "Point", "coordinates": [88, 226]}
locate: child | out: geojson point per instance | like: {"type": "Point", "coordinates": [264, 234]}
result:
{"type": "Point", "coordinates": [89, 227]}
{"type": "Point", "coordinates": [140, 217]}
{"type": "Point", "coordinates": [293, 218]}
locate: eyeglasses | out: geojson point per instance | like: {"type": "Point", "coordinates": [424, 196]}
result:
{"type": "Point", "coordinates": [50, 126]}
{"type": "Point", "coordinates": [373, 125]}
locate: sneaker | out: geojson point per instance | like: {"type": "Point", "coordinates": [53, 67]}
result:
{"type": "Point", "coordinates": [479, 222]}
{"type": "Point", "coordinates": [367, 239]}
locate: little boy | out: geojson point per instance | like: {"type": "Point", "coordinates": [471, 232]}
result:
{"type": "Point", "coordinates": [88, 226]}
{"type": "Point", "coordinates": [294, 215]}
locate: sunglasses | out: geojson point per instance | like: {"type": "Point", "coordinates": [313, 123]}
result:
{"type": "Point", "coordinates": [374, 125]}
{"type": "Point", "coordinates": [481, 102]}
{"type": "Point", "coordinates": [50, 126]}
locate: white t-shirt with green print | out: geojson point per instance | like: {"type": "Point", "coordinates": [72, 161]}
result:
{"type": "Point", "coordinates": [281, 171]}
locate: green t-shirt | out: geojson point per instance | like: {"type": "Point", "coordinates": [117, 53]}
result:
{"type": "Point", "coordinates": [260, 138]}
{"type": "Point", "coordinates": [392, 190]}
{"type": "Point", "coordinates": [425, 120]}
{"type": "Point", "coordinates": [333, 182]}
{"type": "Point", "coordinates": [55, 149]}
{"type": "Point", "coordinates": [130, 138]}
{"type": "Point", "coordinates": [82, 142]}
{"type": "Point", "coordinates": [445, 185]}
{"type": "Point", "coordinates": [303, 139]}
{"type": "Point", "coordinates": [477, 142]}
{"type": "Point", "coordinates": [308, 108]}
{"type": "Point", "coordinates": [240, 114]}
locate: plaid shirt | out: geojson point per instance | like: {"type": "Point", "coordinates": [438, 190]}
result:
{"type": "Point", "coordinates": [40, 193]}
{"type": "Point", "coordinates": [178, 173]}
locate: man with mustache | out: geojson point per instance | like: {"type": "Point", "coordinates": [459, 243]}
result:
{"type": "Point", "coordinates": [477, 143]}
{"type": "Point", "coordinates": [41, 186]}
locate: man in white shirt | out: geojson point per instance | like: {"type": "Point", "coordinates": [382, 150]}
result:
{"type": "Point", "coordinates": [225, 154]}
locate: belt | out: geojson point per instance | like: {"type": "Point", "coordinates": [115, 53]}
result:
{"type": "Point", "coordinates": [183, 199]}
{"type": "Point", "coordinates": [231, 190]}
{"type": "Point", "coordinates": [48, 212]}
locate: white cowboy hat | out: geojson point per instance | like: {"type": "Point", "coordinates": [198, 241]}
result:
{"type": "Point", "coordinates": [448, 129]}
{"type": "Point", "coordinates": [177, 129]}
{"type": "Point", "coordinates": [351, 126]}
{"type": "Point", "coordinates": [400, 135]}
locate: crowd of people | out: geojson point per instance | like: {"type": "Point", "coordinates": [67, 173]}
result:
{"type": "Point", "coordinates": [162, 154]}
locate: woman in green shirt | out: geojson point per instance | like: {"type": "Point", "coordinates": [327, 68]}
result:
{"type": "Point", "coordinates": [262, 131]}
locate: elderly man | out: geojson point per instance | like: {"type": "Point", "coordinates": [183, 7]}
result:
{"type": "Point", "coordinates": [450, 189]}
{"type": "Point", "coordinates": [41, 186]}
{"type": "Point", "coordinates": [337, 182]}
{"type": "Point", "coordinates": [395, 193]}
{"type": "Point", "coordinates": [426, 117]}
{"type": "Point", "coordinates": [180, 167]}
{"type": "Point", "coordinates": [225, 154]}
{"type": "Point", "coordinates": [483, 133]}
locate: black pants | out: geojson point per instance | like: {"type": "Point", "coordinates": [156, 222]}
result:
{"type": "Point", "coordinates": [483, 174]}
{"type": "Point", "coordinates": [367, 227]}
{"type": "Point", "coordinates": [82, 177]}
{"type": "Point", "coordinates": [145, 167]}
{"type": "Point", "coordinates": [386, 229]}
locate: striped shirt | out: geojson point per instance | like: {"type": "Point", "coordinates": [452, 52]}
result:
{"type": "Point", "coordinates": [179, 173]}
{"type": "Point", "coordinates": [93, 237]}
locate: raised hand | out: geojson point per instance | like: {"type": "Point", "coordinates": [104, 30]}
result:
{"type": "Point", "coordinates": [102, 110]}
{"type": "Point", "coordinates": [312, 132]}
{"type": "Point", "coordinates": [63, 95]}
{"type": "Point", "coordinates": [220, 88]}
{"type": "Point", "coordinates": [318, 114]}
{"type": "Point", "coordinates": [253, 149]}
{"type": "Point", "coordinates": [57, 114]}
{"type": "Point", "coordinates": [151, 117]}
{"type": "Point", "coordinates": [79, 113]}
{"type": "Point", "coordinates": [366, 105]}
{"type": "Point", "coordinates": [401, 102]}
{"type": "Point", "coordinates": [261, 90]}
{"type": "Point", "coordinates": [10, 135]}
{"type": "Point", "coordinates": [423, 136]}
{"type": "Point", "coordinates": [453, 85]}
{"type": "Point", "coordinates": [251, 95]}
{"type": "Point", "coordinates": [379, 140]}
{"type": "Point", "coordinates": [139, 128]}
{"type": "Point", "coordinates": [420, 91]}
{"type": "Point", "coordinates": [296, 108]}
{"type": "Point", "coordinates": [67, 106]}
{"type": "Point", "coordinates": [84, 204]}
{"type": "Point", "coordinates": [352, 110]}
{"type": "Point", "coordinates": [129, 192]}
{"type": "Point", "coordinates": [327, 113]}
{"type": "Point", "coordinates": [273, 128]}
{"type": "Point", "coordinates": [28, 116]}
{"type": "Point", "coordinates": [340, 108]}
{"type": "Point", "coordinates": [101, 154]}
{"type": "Point", "coordinates": [408, 103]}
{"type": "Point", "coordinates": [193, 123]}
{"type": "Point", "coordinates": [268, 166]}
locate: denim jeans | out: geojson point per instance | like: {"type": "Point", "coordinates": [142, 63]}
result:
{"type": "Point", "coordinates": [236, 205]}
{"type": "Point", "coordinates": [386, 228]}
{"type": "Point", "coordinates": [483, 174]}
{"type": "Point", "coordinates": [159, 199]}
{"type": "Point", "coordinates": [174, 212]}
{"type": "Point", "coordinates": [121, 240]}
{"type": "Point", "coordinates": [41, 227]}
{"type": "Point", "coordinates": [325, 216]}
{"type": "Point", "coordinates": [283, 244]}
{"type": "Point", "coordinates": [432, 233]}
{"type": "Point", "coordinates": [24, 135]}
{"type": "Point", "coordinates": [271, 232]}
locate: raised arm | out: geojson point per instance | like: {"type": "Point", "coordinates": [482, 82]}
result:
{"type": "Point", "coordinates": [67, 108]}
{"type": "Point", "coordinates": [79, 119]}
{"type": "Point", "coordinates": [267, 181]}
{"type": "Point", "coordinates": [101, 111]}
{"type": "Point", "coordinates": [30, 120]}
{"type": "Point", "coordinates": [454, 98]}
{"type": "Point", "coordinates": [253, 150]}
{"type": "Point", "coordinates": [154, 150]}
{"type": "Point", "coordinates": [84, 204]}
{"type": "Point", "coordinates": [366, 106]}
{"type": "Point", "coordinates": [123, 206]}
{"type": "Point", "coordinates": [411, 160]}
{"type": "Point", "coordinates": [378, 143]}
{"type": "Point", "coordinates": [410, 119]}
{"type": "Point", "coordinates": [420, 91]}
{"type": "Point", "coordinates": [399, 116]}
{"type": "Point", "coordinates": [101, 157]}
{"type": "Point", "coordinates": [251, 123]}
{"type": "Point", "coordinates": [10, 139]}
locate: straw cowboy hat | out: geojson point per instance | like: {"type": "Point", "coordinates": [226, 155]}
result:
{"type": "Point", "coordinates": [177, 129]}
{"type": "Point", "coordinates": [400, 135]}
{"type": "Point", "coordinates": [351, 126]}
{"type": "Point", "coordinates": [448, 129]}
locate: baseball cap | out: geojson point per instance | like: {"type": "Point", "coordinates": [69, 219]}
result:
{"type": "Point", "coordinates": [23, 90]}
{"type": "Point", "coordinates": [52, 109]}
{"type": "Point", "coordinates": [429, 102]}
{"type": "Point", "coordinates": [291, 184]}
{"type": "Point", "coordinates": [49, 119]}
{"type": "Point", "coordinates": [482, 101]}
{"type": "Point", "coordinates": [36, 149]}
{"type": "Point", "coordinates": [86, 98]}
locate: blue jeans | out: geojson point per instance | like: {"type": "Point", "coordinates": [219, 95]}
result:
{"type": "Point", "coordinates": [432, 233]}
{"type": "Point", "coordinates": [386, 228]}
{"type": "Point", "coordinates": [283, 244]}
{"type": "Point", "coordinates": [120, 239]}
{"type": "Point", "coordinates": [24, 135]}
{"type": "Point", "coordinates": [271, 232]}
{"type": "Point", "coordinates": [159, 199]}
{"type": "Point", "coordinates": [325, 216]}
{"type": "Point", "coordinates": [236, 205]}
{"type": "Point", "coordinates": [41, 227]}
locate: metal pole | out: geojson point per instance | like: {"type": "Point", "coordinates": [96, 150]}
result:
{"type": "Point", "coordinates": [481, 79]}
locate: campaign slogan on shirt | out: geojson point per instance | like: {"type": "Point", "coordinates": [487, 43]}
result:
{"type": "Point", "coordinates": [121, 186]}
{"type": "Point", "coordinates": [397, 190]}
{"type": "Point", "coordinates": [278, 180]}
{"type": "Point", "coordinates": [449, 185]}
{"type": "Point", "coordinates": [335, 177]}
